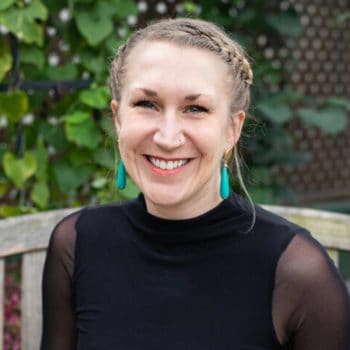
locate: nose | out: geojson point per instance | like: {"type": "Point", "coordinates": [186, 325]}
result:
{"type": "Point", "coordinates": [169, 134]}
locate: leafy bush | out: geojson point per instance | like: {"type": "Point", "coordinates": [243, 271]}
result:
{"type": "Point", "coordinates": [57, 145]}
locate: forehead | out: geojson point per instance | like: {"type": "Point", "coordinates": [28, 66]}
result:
{"type": "Point", "coordinates": [164, 65]}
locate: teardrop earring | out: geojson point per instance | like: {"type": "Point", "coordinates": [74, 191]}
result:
{"type": "Point", "coordinates": [121, 176]}
{"type": "Point", "coordinates": [224, 178]}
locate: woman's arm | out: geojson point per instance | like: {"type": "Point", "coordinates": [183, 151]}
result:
{"type": "Point", "coordinates": [58, 315]}
{"type": "Point", "coordinates": [311, 307]}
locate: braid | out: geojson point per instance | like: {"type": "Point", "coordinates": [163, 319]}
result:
{"type": "Point", "coordinates": [190, 33]}
{"type": "Point", "coordinates": [228, 51]}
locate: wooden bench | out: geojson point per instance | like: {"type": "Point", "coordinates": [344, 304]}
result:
{"type": "Point", "coordinates": [28, 236]}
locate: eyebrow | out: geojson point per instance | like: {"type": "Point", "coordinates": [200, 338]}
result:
{"type": "Point", "coordinates": [152, 93]}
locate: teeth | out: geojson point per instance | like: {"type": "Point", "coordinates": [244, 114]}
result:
{"type": "Point", "coordinates": [169, 165]}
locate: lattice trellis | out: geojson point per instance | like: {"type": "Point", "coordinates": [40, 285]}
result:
{"type": "Point", "coordinates": [323, 69]}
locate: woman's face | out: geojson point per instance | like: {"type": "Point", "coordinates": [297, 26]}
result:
{"type": "Point", "coordinates": [174, 124]}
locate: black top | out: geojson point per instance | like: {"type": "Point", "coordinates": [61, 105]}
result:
{"type": "Point", "coordinates": [117, 277]}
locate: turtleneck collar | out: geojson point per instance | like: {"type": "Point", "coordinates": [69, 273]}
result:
{"type": "Point", "coordinates": [230, 216]}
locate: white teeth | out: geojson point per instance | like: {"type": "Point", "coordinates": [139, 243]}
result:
{"type": "Point", "coordinates": [169, 165]}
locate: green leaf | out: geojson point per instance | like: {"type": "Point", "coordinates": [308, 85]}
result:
{"type": "Point", "coordinates": [54, 135]}
{"type": "Point", "coordinates": [113, 43]}
{"type": "Point", "coordinates": [331, 120]}
{"type": "Point", "coordinates": [42, 159]}
{"type": "Point", "coordinates": [4, 187]}
{"type": "Point", "coordinates": [107, 125]}
{"type": "Point", "coordinates": [18, 170]}
{"type": "Point", "coordinates": [22, 22]}
{"type": "Point", "coordinates": [276, 112]}
{"type": "Point", "coordinates": [69, 178]}
{"type": "Point", "coordinates": [77, 117]}
{"type": "Point", "coordinates": [336, 102]}
{"type": "Point", "coordinates": [99, 183]}
{"type": "Point", "coordinates": [105, 158]}
{"type": "Point", "coordinates": [32, 55]}
{"type": "Point", "coordinates": [287, 24]}
{"type": "Point", "coordinates": [131, 190]}
{"type": "Point", "coordinates": [78, 157]}
{"type": "Point", "coordinates": [125, 7]}
{"type": "Point", "coordinates": [189, 7]}
{"type": "Point", "coordinates": [342, 18]}
{"type": "Point", "coordinates": [93, 28]}
{"type": "Point", "coordinates": [94, 63]}
{"type": "Point", "coordinates": [96, 97]}
{"type": "Point", "coordinates": [4, 4]}
{"type": "Point", "coordinates": [13, 104]}
{"type": "Point", "coordinates": [261, 175]}
{"type": "Point", "coordinates": [105, 9]}
{"type": "Point", "coordinates": [7, 211]}
{"type": "Point", "coordinates": [5, 58]}
{"type": "Point", "coordinates": [81, 130]}
{"type": "Point", "coordinates": [66, 72]}
{"type": "Point", "coordinates": [261, 194]}
{"type": "Point", "coordinates": [36, 10]}
{"type": "Point", "coordinates": [40, 194]}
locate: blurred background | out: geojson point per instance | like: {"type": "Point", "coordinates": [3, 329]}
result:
{"type": "Point", "coordinates": [57, 140]}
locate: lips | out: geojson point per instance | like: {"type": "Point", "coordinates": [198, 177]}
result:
{"type": "Point", "coordinates": [165, 164]}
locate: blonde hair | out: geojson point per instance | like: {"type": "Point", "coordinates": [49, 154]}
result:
{"type": "Point", "coordinates": [194, 33]}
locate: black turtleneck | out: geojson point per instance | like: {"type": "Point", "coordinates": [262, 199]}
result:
{"type": "Point", "coordinates": [117, 277]}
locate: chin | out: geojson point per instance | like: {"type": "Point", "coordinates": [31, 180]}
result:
{"type": "Point", "coordinates": [165, 196]}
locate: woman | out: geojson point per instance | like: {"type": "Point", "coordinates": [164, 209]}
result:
{"type": "Point", "coordinates": [186, 265]}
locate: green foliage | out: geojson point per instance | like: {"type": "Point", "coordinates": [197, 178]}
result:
{"type": "Point", "coordinates": [5, 58]}
{"type": "Point", "coordinates": [331, 120]}
{"type": "Point", "coordinates": [81, 129]}
{"type": "Point", "coordinates": [19, 170]}
{"type": "Point", "coordinates": [13, 105]}
{"type": "Point", "coordinates": [21, 20]}
{"type": "Point", "coordinates": [96, 97]}
{"type": "Point", "coordinates": [287, 24]}
{"type": "Point", "coordinates": [65, 155]}
{"type": "Point", "coordinates": [94, 27]}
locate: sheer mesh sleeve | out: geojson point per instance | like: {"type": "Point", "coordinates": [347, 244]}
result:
{"type": "Point", "coordinates": [58, 317]}
{"type": "Point", "coordinates": [311, 307]}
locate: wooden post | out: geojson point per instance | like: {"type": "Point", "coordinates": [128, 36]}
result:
{"type": "Point", "coordinates": [31, 318]}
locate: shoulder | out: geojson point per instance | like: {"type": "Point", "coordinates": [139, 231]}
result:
{"type": "Point", "coordinates": [64, 231]}
{"type": "Point", "coordinates": [103, 215]}
{"type": "Point", "coordinates": [86, 217]}
{"type": "Point", "coordinates": [306, 263]}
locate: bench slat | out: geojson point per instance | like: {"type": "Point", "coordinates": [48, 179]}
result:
{"type": "Point", "coordinates": [29, 232]}
{"type": "Point", "coordinates": [332, 230]}
{"type": "Point", "coordinates": [2, 286]}
{"type": "Point", "coordinates": [32, 269]}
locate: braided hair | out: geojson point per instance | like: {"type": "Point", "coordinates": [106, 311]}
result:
{"type": "Point", "coordinates": [195, 33]}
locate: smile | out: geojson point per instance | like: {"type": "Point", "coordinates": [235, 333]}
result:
{"type": "Point", "coordinates": [167, 164]}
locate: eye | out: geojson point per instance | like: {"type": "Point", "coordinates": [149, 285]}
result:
{"type": "Point", "coordinates": [196, 109]}
{"type": "Point", "coordinates": [144, 104]}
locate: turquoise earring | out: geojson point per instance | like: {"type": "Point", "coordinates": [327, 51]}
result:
{"type": "Point", "coordinates": [121, 176]}
{"type": "Point", "coordinates": [224, 179]}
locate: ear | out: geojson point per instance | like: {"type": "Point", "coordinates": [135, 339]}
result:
{"type": "Point", "coordinates": [114, 108]}
{"type": "Point", "coordinates": [235, 128]}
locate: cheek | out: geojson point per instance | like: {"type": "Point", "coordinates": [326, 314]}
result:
{"type": "Point", "coordinates": [132, 132]}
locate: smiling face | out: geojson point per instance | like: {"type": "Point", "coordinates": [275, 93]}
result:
{"type": "Point", "coordinates": [174, 124]}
